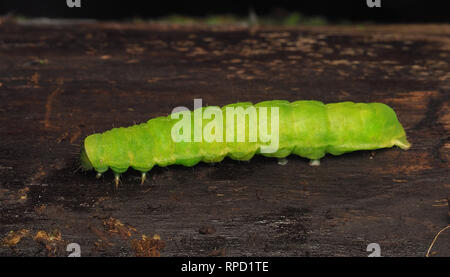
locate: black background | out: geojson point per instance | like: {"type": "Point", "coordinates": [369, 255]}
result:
{"type": "Point", "coordinates": [392, 11]}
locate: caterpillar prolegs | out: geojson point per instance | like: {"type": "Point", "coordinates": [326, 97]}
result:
{"type": "Point", "coordinates": [277, 128]}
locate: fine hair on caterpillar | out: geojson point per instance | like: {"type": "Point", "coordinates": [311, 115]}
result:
{"type": "Point", "coordinates": [232, 124]}
{"type": "Point", "coordinates": [276, 128]}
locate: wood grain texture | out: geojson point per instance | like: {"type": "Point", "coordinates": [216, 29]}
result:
{"type": "Point", "coordinates": [59, 84]}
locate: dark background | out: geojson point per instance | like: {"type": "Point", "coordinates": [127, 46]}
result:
{"type": "Point", "coordinates": [392, 11]}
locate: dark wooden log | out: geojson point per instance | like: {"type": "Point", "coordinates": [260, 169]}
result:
{"type": "Point", "coordinates": [60, 83]}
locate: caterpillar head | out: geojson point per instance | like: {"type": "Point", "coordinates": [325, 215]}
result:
{"type": "Point", "coordinates": [84, 160]}
{"type": "Point", "coordinates": [91, 154]}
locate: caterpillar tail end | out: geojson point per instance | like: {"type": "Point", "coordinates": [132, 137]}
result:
{"type": "Point", "coordinates": [403, 143]}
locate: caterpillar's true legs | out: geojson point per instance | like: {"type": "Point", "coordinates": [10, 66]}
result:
{"type": "Point", "coordinates": [116, 179]}
{"type": "Point", "coordinates": [314, 162]}
{"type": "Point", "coordinates": [143, 177]}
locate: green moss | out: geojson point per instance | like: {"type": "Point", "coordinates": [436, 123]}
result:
{"type": "Point", "coordinates": [292, 19]}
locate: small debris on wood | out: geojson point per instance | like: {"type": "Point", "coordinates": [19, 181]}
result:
{"type": "Point", "coordinates": [52, 241]}
{"type": "Point", "coordinates": [207, 230]}
{"type": "Point", "coordinates": [14, 237]}
{"type": "Point", "coordinates": [114, 226]}
{"type": "Point", "coordinates": [217, 253]}
{"type": "Point", "coordinates": [148, 247]}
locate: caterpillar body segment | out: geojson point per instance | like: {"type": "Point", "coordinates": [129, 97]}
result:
{"type": "Point", "coordinates": [309, 129]}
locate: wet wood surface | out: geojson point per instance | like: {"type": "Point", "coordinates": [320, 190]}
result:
{"type": "Point", "coordinates": [60, 83]}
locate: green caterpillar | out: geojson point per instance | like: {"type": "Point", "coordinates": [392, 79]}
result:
{"type": "Point", "coordinates": [309, 129]}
